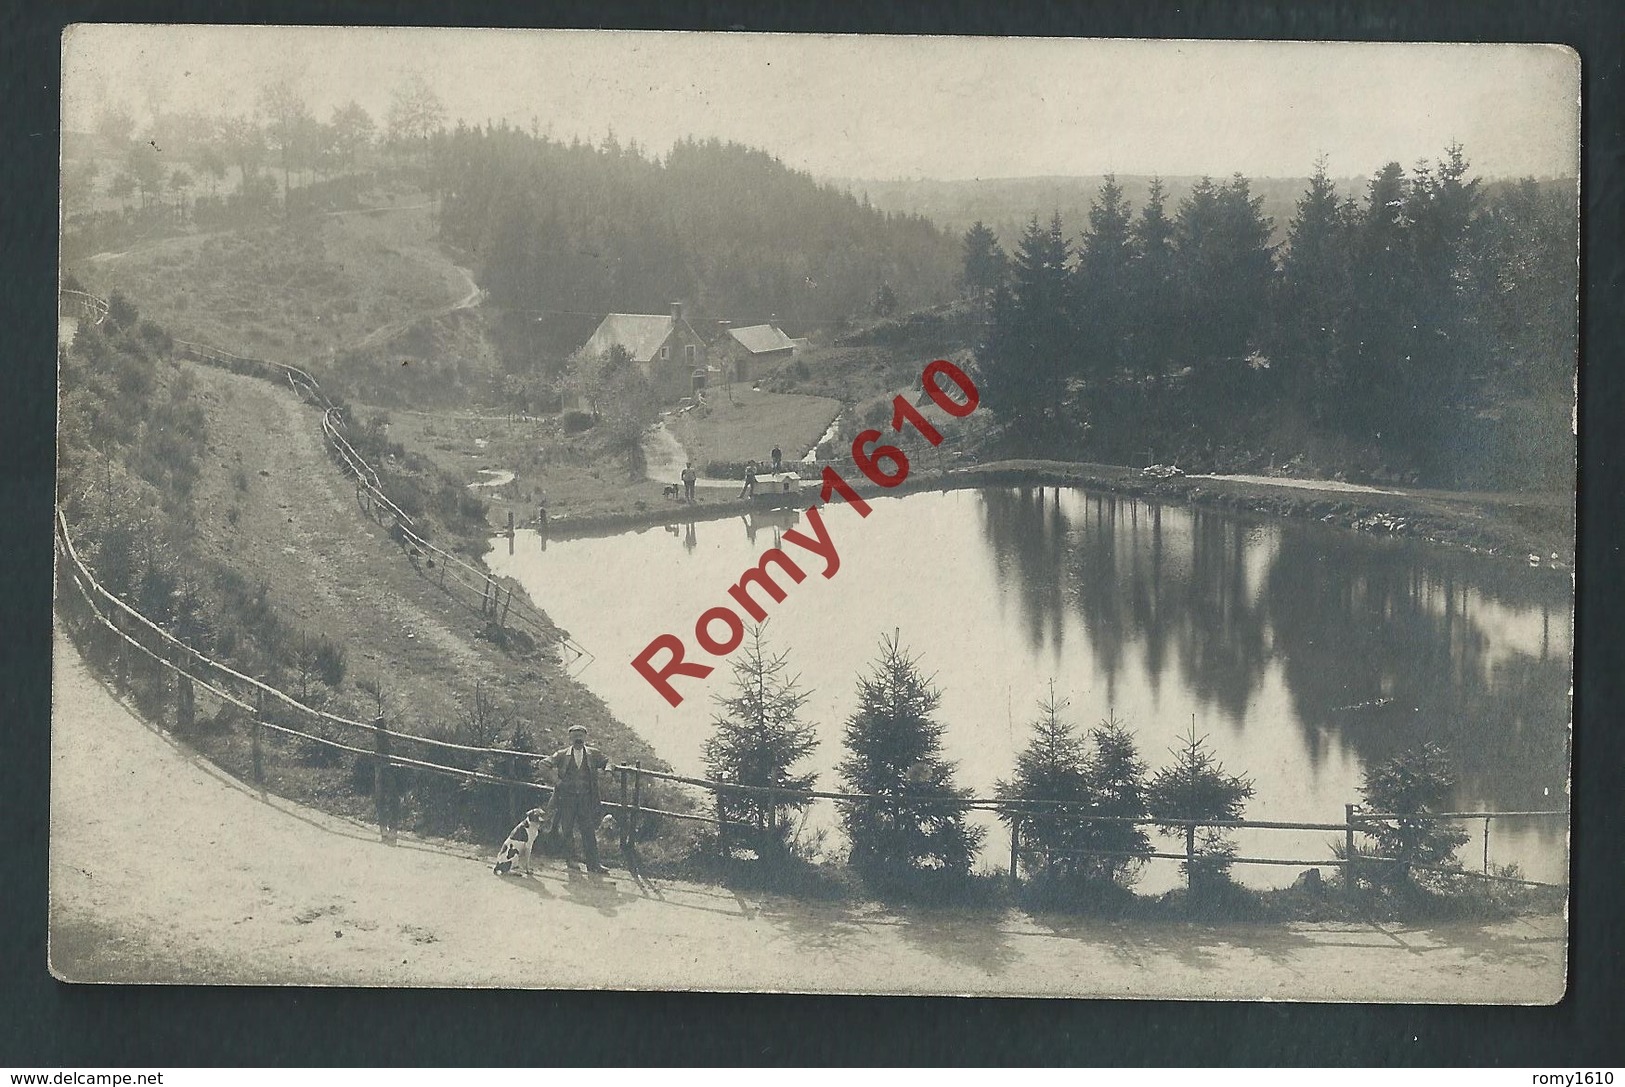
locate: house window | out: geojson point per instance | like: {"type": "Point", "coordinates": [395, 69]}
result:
{"type": "Point", "coordinates": [689, 350]}
{"type": "Point", "coordinates": [665, 353]}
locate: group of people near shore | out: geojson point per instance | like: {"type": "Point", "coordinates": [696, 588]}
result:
{"type": "Point", "coordinates": [690, 477]}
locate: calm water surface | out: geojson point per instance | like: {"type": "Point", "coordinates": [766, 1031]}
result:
{"type": "Point", "coordinates": [1264, 632]}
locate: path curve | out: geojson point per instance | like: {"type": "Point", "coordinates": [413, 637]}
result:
{"type": "Point", "coordinates": [164, 868]}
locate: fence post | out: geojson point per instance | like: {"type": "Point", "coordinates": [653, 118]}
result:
{"type": "Point", "coordinates": [722, 828]}
{"type": "Point", "coordinates": [621, 772]}
{"type": "Point", "coordinates": [1486, 845]}
{"type": "Point", "coordinates": [185, 702]}
{"type": "Point", "coordinates": [1349, 881]}
{"type": "Point", "coordinates": [772, 818]}
{"type": "Point", "coordinates": [1015, 853]}
{"type": "Point", "coordinates": [485, 595]}
{"type": "Point", "coordinates": [637, 803]}
{"type": "Point", "coordinates": [513, 790]}
{"type": "Point", "coordinates": [505, 603]}
{"type": "Point", "coordinates": [121, 662]}
{"type": "Point", "coordinates": [1190, 857]}
{"type": "Point", "coordinates": [379, 777]}
{"type": "Point", "coordinates": [254, 737]}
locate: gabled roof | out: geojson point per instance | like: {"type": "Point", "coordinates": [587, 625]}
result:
{"type": "Point", "coordinates": [760, 339]}
{"type": "Point", "coordinates": [640, 333]}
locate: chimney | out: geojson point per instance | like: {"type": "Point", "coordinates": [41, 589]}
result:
{"type": "Point", "coordinates": [676, 311]}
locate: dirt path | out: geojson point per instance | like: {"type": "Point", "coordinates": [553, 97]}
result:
{"type": "Point", "coordinates": [664, 459]}
{"type": "Point", "coordinates": [163, 868]}
{"type": "Point", "coordinates": [330, 570]}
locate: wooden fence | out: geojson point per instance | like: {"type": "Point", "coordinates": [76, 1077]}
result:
{"type": "Point", "coordinates": [193, 670]}
{"type": "Point", "coordinates": [498, 601]}
{"type": "Point", "coordinates": [82, 304]}
{"type": "Point", "coordinates": [1020, 813]}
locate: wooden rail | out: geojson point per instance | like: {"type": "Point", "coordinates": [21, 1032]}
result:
{"type": "Point", "coordinates": [218, 678]}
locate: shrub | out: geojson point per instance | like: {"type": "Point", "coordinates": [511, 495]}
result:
{"type": "Point", "coordinates": [576, 422]}
{"type": "Point", "coordinates": [330, 662]}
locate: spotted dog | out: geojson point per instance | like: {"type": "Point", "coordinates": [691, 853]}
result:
{"type": "Point", "coordinates": [516, 850]}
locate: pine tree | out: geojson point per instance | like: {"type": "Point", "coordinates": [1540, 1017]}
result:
{"type": "Point", "coordinates": [1312, 305]}
{"type": "Point", "coordinates": [1224, 265]}
{"type": "Point", "coordinates": [1102, 281]}
{"type": "Point", "coordinates": [1115, 782]}
{"type": "Point", "coordinates": [1052, 767]}
{"type": "Point", "coordinates": [1383, 299]}
{"type": "Point", "coordinates": [1153, 299]}
{"type": "Point", "coordinates": [985, 263]}
{"type": "Point", "coordinates": [759, 739]}
{"type": "Point", "coordinates": [1033, 334]}
{"type": "Point", "coordinates": [894, 745]}
{"type": "Point", "coordinates": [1413, 785]}
{"type": "Point", "coordinates": [1196, 787]}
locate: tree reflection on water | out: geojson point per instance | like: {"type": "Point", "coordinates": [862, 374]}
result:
{"type": "Point", "coordinates": [1382, 644]}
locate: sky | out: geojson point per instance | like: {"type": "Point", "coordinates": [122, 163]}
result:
{"type": "Point", "coordinates": [895, 107]}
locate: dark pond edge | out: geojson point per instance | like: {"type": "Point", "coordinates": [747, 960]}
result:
{"type": "Point", "coordinates": [1400, 515]}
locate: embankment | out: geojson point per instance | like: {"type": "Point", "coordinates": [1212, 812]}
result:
{"type": "Point", "coordinates": [1513, 526]}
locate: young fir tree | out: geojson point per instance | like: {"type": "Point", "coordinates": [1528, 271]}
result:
{"type": "Point", "coordinates": [1115, 782]}
{"type": "Point", "coordinates": [1053, 767]}
{"type": "Point", "coordinates": [759, 738]}
{"type": "Point", "coordinates": [1413, 785]}
{"type": "Point", "coordinates": [895, 753]}
{"type": "Point", "coordinates": [1195, 786]}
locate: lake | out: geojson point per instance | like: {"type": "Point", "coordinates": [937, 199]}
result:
{"type": "Point", "coordinates": [1274, 637]}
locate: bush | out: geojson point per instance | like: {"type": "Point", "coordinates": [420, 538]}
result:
{"type": "Point", "coordinates": [576, 422]}
{"type": "Point", "coordinates": [330, 662]}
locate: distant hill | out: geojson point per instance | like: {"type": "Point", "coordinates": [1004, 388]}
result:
{"type": "Point", "coordinates": [1007, 203]}
{"type": "Point", "coordinates": [558, 228]}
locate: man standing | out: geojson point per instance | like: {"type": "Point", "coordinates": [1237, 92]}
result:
{"type": "Point", "coordinates": [689, 477]}
{"type": "Point", "coordinates": [575, 797]}
{"type": "Point", "coordinates": [778, 459]}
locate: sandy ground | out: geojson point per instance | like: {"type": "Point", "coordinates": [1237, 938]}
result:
{"type": "Point", "coordinates": [165, 869]}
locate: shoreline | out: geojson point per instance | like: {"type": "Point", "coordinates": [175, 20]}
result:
{"type": "Point", "coordinates": [1508, 526]}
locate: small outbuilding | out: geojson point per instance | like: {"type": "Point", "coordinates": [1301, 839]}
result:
{"type": "Point", "coordinates": [756, 348]}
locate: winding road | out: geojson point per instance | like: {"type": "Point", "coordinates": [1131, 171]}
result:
{"type": "Point", "coordinates": [166, 869]}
